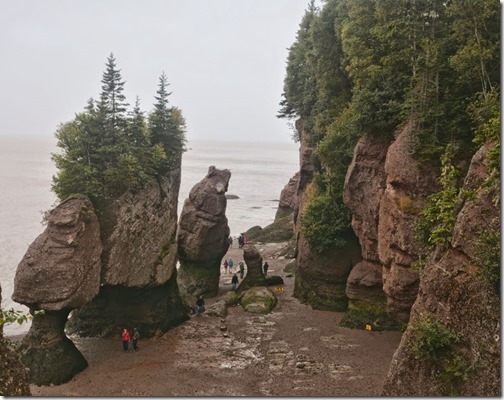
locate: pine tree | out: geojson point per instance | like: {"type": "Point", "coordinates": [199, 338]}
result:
{"type": "Point", "coordinates": [167, 126]}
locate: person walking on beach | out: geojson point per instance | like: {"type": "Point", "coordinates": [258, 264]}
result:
{"type": "Point", "coordinates": [125, 339]}
{"type": "Point", "coordinates": [230, 265]}
{"type": "Point", "coordinates": [240, 241]}
{"type": "Point", "coordinates": [199, 305]}
{"type": "Point", "coordinates": [225, 266]}
{"type": "Point", "coordinates": [234, 282]}
{"type": "Point", "coordinates": [265, 268]}
{"type": "Point", "coordinates": [242, 269]}
{"type": "Point", "coordinates": [136, 336]}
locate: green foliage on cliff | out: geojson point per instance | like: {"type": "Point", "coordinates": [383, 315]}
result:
{"type": "Point", "coordinates": [371, 66]}
{"type": "Point", "coordinates": [431, 339]}
{"type": "Point", "coordinates": [107, 150]}
{"type": "Point", "coordinates": [487, 251]}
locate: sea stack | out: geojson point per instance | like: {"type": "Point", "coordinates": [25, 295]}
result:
{"type": "Point", "coordinates": [203, 236]}
{"type": "Point", "coordinates": [59, 272]}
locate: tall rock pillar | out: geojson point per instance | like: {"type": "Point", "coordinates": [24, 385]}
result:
{"type": "Point", "coordinates": [203, 236]}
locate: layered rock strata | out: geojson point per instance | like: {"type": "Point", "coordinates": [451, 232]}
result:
{"type": "Point", "coordinates": [320, 278]}
{"type": "Point", "coordinates": [203, 236]}
{"type": "Point", "coordinates": [364, 187]}
{"type": "Point", "coordinates": [59, 272]}
{"type": "Point", "coordinates": [408, 183]}
{"type": "Point", "coordinates": [138, 279]}
{"type": "Point", "coordinates": [455, 297]}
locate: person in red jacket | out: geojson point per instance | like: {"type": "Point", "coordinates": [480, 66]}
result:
{"type": "Point", "coordinates": [125, 339]}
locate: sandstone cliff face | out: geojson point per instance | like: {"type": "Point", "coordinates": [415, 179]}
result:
{"type": "Point", "coordinates": [203, 236]}
{"type": "Point", "coordinates": [364, 187]}
{"type": "Point", "coordinates": [454, 294]}
{"type": "Point", "coordinates": [138, 233]}
{"type": "Point", "coordinates": [61, 268]}
{"type": "Point", "coordinates": [138, 279]}
{"type": "Point", "coordinates": [13, 376]}
{"type": "Point", "coordinates": [59, 272]}
{"type": "Point", "coordinates": [407, 184]}
{"type": "Point", "coordinates": [320, 278]}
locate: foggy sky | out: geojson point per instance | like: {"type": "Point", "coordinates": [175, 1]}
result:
{"type": "Point", "coordinates": [224, 60]}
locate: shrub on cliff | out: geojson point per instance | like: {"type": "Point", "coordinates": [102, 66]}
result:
{"type": "Point", "coordinates": [106, 150]}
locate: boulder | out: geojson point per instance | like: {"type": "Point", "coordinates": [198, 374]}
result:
{"type": "Point", "coordinates": [455, 296]}
{"type": "Point", "coordinates": [258, 300]}
{"type": "Point", "coordinates": [203, 236]}
{"type": "Point", "coordinates": [61, 268]}
{"type": "Point", "coordinates": [13, 376]}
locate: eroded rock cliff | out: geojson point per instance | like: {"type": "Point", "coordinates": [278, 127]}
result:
{"type": "Point", "coordinates": [203, 236]}
{"type": "Point", "coordinates": [59, 272]}
{"type": "Point", "coordinates": [452, 343]}
{"type": "Point", "coordinates": [138, 279]}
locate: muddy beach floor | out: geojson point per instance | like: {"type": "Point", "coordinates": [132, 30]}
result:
{"type": "Point", "coordinates": [293, 351]}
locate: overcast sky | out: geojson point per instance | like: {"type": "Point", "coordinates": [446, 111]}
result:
{"type": "Point", "coordinates": [224, 59]}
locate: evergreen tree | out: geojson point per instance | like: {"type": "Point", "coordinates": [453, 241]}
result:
{"type": "Point", "coordinates": [167, 127]}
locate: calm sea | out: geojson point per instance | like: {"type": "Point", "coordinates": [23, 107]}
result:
{"type": "Point", "coordinates": [259, 171]}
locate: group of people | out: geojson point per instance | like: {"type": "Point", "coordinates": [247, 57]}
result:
{"type": "Point", "coordinates": [242, 241]}
{"type": "Point", "coordinates": [126, 339]}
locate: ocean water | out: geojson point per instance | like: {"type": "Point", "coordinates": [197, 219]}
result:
{"type": "Point", "coordinates": [259, 171]}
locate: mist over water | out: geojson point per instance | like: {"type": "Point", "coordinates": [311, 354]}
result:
{"type": "Point", "coordinates": [259, 171]}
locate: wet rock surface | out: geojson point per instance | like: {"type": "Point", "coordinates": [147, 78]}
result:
{"type": "Point", "coordinates": [203, 236]}
{"type": "Point", "coordinates": [61, 268]}
{"type": "Point", "coordinates": [293, 351]}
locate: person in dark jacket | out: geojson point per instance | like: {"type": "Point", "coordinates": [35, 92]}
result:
{"type": "Point", "coordinates": [234, 282]}
{"type": "Point", "coordinates": [265, 268]}
{"type": "Point", "coordinates": [136, 336]}
{"type": "Point", "coordinates": [199, 305]}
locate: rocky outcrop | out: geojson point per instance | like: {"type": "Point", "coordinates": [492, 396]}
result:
{"type": "Point", "coordinates": [455, 297]}
{"type": "Point", "coordinates": [364, 186]}
{"type": "Point", "coordinates": [13, 376]}
{"type": "Point", "coordinates": [289, 200]}
{"type": "Point", "coordinates": [258, 300]}
{"type": "Point", "coordinates": [321, 278]}
{"type": "Point", "coordinates": [408, 182]}
{"type": "Point", "coordinates": [203, 236]}
{"type": "Point", "coordinates": [61, 268]}
{"type": "Point", "coordinates": [138, 279]}
{"type": "Point", "coordinates": [255, 275]}
{"type": "Point", "coordinates": [59, 272]}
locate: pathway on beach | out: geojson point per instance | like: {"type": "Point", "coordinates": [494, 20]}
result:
{"type": "Point", "coordinates": [294, 351]}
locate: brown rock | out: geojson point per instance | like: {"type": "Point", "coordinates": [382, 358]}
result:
{"type": "Point", "coordinates": [255, 275]}
{"type": "Point", "coordinates": [364, 187]}
{"type": "Point", "coordinates": [454, 293]}
{"type": "Point", "coordinates": [61, 268]}
{"type": "Point", "coordinates": [288, 198]}
{"type": "Point", "coordinates": [203, 236]}
{"type": "Point", "coordinates": [138, 231]}
{"type": "Point", "coordinates": [407, 184]}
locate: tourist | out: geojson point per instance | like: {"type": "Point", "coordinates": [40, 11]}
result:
{"type": "Point", "coordinates": [245, 240]}
{"type": "Point", "coordinates": [230, 241]}
{"type": "Point", "coordinates": [265, 268]}
{"type": "Point", "coordinates": [242, 269]}
{"type": "Point", "coordinates": [230, 265]}
{"type": "Point", "coordinates": [199, 305]}
{"type": "Point", "coordinates": [225, 266]}
{"type": "Point", "coordinates": [234, 282]}
{"type": "Point", "coordinates": [240, 241]}
{"type": "Point", "coordinates": [125, 339]}
{"type": "Point", "coordinates": [136, 336]}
